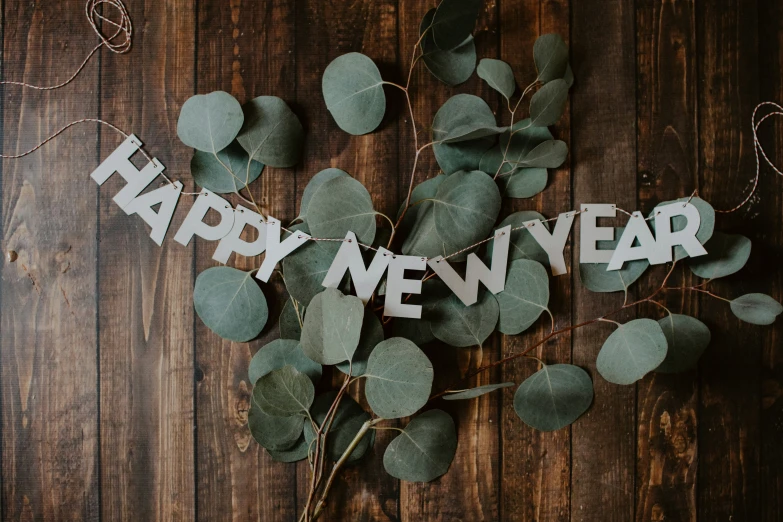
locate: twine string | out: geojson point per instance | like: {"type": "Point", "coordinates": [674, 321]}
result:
{"type": "Point", "coordinates": [120, 42]}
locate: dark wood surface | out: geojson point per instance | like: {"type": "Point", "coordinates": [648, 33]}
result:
{"type": "Point", "coordinates": [117, 403]}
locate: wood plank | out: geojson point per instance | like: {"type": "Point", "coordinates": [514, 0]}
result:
{"type": "Point", "coordinates": [603, 152]}
{"type": "Point", "coordinates": [667, 145]}
{"type": "Point", "coordinates": [471, 489]}
{"type": "Point", "coordinates": [544, 459]}
{"type": "Point", "coordinates": [728, 480]}
{"type": "Point", "coordinates": [246, 49]}
{"type": "Point", "coordinates": [48, 317]}
{"type": "Point", "coordinates": [325, 31]}
{"type": "Point", "coordinates": [146, 291]}
{"type": "Point", "coordinates": [769, 248]}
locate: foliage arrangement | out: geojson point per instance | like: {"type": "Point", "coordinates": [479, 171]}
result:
{"type": "Point", "coordinates": [482, 161]}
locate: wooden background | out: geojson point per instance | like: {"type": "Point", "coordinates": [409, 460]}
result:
{"type": "Point", "coordinates": [118, 404]}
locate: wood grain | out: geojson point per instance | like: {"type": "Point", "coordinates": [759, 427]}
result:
{"type": "Point", "coordinates": [729, 388]}
{"type": "Point", "coordinates": [146, 304]}
{"type": "Point", "coordinates": [246, 49]}
{"type": "Point", "coordinates": [117, 403]}
{"type": "Point", "coordinates": [543, 459]}
{"type": "Point", "coordinates": [771, 239]}
{"type": "Point", "coordinates": [49, 346]}
{"type": "Point", "coordinates": [603, 153]}
{"type": "Point", "coordinates": [667, 157]}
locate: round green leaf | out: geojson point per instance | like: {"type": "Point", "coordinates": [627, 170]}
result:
{"type": "Point", "coordinates": [304, 269]}
{"type": "Point", "coordinates": [332, 327]}
{"type": "Point", "coordinates": [419, 331]}
{"type": "Point", "coordinates": [209, 122]}
{"type": "Point", "coordinates": [340, 205]}
{"type": "Point", "coordinates": [551, 56]}
{"type": "Point", "coordinates": [230, 303]}
{"type": "Point", "coordinates": [466, 206]}
{"type": "Point", "coordinates": [478, 391]}
{"type": "Point", "coordinates": [547, 105]}
{"type": "Point", "coordinates": [295, 453]}
{"type": "Point", "coordinates": [706, 222]}
{"type": "Point", "coordinates": [348, 419]}
{"type": "Point", "coordinates": [279, 353]}
{"type": "Point", "coordinates": [372, 334]}
{"type": "Point", "coordinates": [514, 181]}
{"type": "Point", "coordinates": [524, 138]}
{"type": "Point", "coordinates": [756, 308]}
{"type": "Point", "coordinates": [289, 325]}
{"type": "Point", "coordinates": [522, 244]}
{"type": "Point", "coordinates": [458, 325]}
{"type": "Point", "coordinates": [632, 351]}
{"type": "Point", "coordinates": [465, 155]}
{"type": "Point", "coordinates": [553, 397]}
{"type": "Point", "coordinates": [273, 433]}
{"type": "Point", "coordinates": [399, 378]}
{"type": "Point", "coordinates": [687, 338]}
{"type": "Point", "coordinates": [454, 21]}
{"type": "Point", "coordinates": [424, 190]}
{"type": "Point", "coordinates": [525, 296]}
{"type": "Point", "coordinates": [284, 392]}
{"type": "Point", "coordinates": [208, 172]}
{"type": "Point", "coordinates": [424, 450]}
{"type": "Point", "coordinates": [272, 134]}
{"type": "Point", "coordinates": [597, 278]}
{"type": "Point", "coordinates": [313, 185]}
{"type": "Point", "coordinates": [498, 75]}
{"type": "Point", "coordinates": [353, 92]}
{"type": "Point", "coordinates": [464, 117]}
{"type": "Point", "coordinates": [423, 239]}
{"type": "Point", "coordinates": [549, 155]}
{"type": "Point", "coordinates": [726, 255]}
{"type": "Point", "coordinates": [451, 67]}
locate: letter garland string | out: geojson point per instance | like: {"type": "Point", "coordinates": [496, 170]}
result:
{"type": "Point", "coordinates": [130, 199]}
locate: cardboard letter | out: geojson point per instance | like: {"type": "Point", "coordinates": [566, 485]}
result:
{"type": "Point", "coordinates": [636, 229]}
{"type": "Point", "coordinates": [591, 233]}
{"type": "Point", "coordinates": [233, 243]}
{"type": "Point", "coordinates": [686, 238]}
{"type": "Point", "coordinates": [277, 250]}
{"type": "Point", "coordinates": [167, 196]}
{"type": "Point", "coordinates": [193, 224]}
{"type": "Point", "coordinates": [554, 243]}
{"type": "Point", "coordinates": [396, 285]}
{"type": "Point", "coordinates": [349, 257]}
{"type": "Point", "coordinates": [119, 161]}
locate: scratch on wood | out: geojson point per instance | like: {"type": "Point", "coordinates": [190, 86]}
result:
{"type": "Point", "coordinates": [32, 280]}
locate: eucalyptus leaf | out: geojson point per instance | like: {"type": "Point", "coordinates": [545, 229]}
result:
{"type": "Point", "coordinates": [289, 324]}
{"type": "Point", "coordinates": [548, 104]}
{"type": "Point", "coordinates": [513, 181]}
{"type": "Point", "coordinates": [454, 21]}
{"type": "Point", "coordinates": [632, 351]}
{"type": "Point", "coordinates": [525, 296]}
{"type": "Point", "coordinates": [549, 155]}
{"type": "Point", "coordinates": [423, 239]}
{"type": "Point", "coordinates": [230, 303]}
{"type": "Point", "coordinates": [758, 309]}
{"type": "Point", "coordinates": [353, 92]}
{"type": "Point", "coordinates": [284, 392]}
{"type": "Point", "coordinates": [295, 453]}
{"type": "Point", "coordinates": [348, 419]}
{"type": "Point", "coordinates": [466, 206]}
{"type": "Point", "coordinates": [372, 334]}
{"type": "Point", "coordinates": [465, 155]}
{"type": "Point", "coordinates": [419, 331]}
{"type": "Point", "coordinates": [551, 56]}
{"type": "Point", "coordinates": [686, 338]}
{"type": "Point", "coordinates": [279, 353]}
{"type": "Point", "coordinates": [597, 278]}
{"type": "Point", "coordinates": [706, 222]}
{"type": "Point", "coordinates": [332, 327]}
{"type": "Point", "coordinates": [209, 173]}
{"type": "Point", "coordinates": [424, 190]}
{"type": "Point", "coordinates": [273, 433]}
{"type": "Point", "coordinates": [452, 67]}
{"type": "Point", "coordinates": [424, 450]}
{"type": "Point", "coordinates": [313, 185]}
{"type": "Point", "coordinates": [398, 378]}
{"type": "Point", "coordinates": [726, 255]}
{"type": "Point", "coordinates": [522, 244]}
{"type": "Point", "coordinates": [209, 122]}
{"type": "Point", "coordinates": [272, 134]}
{"type": "Point", "coordinates": [304, 269]}
{"type": "Point", "coordinates": [498, 75]}
{"type": "Point", "coordinates": [461, 326]}
{"type": "Point", "coordinates": [553, 397]}
{"type": "Point", "coordinates": [478, 391]}
{"type": "Point", "coordinates": [464, 117]}
{"type": "Point", "coordinates": [341, 205]}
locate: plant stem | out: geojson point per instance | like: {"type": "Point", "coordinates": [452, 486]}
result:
{"type": "Point", "coordinates": [319, 506]}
